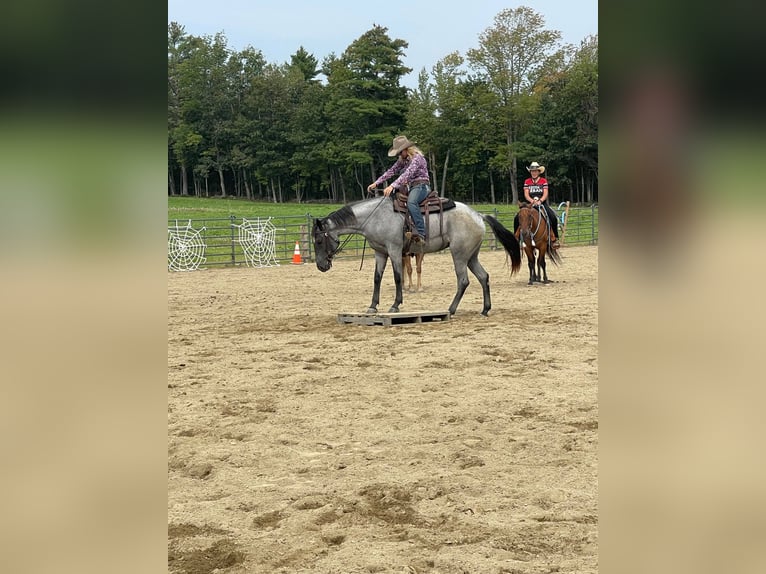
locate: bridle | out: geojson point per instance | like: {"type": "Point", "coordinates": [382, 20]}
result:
{"type": "Point", "coordinates": [340, 246]}
{"type": "Point", "coordinates": [540, 215]}
{"type": "Point", "coordinates": [332, 251]}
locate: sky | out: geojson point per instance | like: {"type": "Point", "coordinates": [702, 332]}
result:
{"type": "Point", "coordinates": [432, 29]}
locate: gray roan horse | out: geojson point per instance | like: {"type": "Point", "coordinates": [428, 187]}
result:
{"type": "Point", "coordinates": [462, 231]}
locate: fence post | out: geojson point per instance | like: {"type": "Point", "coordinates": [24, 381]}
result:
{"type": "Point", "coordinates": [309, 244]}
{"type": "Point", "coordinates": [592, 224]}
{"type": "Point", "coordinates": [492, 238]}
{"type": "Point", "coordinates": [231, 227]}
{"type": "Point", "coordinates": [304, 239]}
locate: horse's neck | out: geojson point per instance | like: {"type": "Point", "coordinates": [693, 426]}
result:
{"type": "Point", "coordinates": [361, 211]}
{"type": "Point", "coordinates": [343, 228]}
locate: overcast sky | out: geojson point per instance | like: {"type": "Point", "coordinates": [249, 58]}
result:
{"type": "Point", "coordinates": [433, 28]}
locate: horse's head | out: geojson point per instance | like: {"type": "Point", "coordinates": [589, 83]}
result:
{"type": "Point", "coordinates": [526, 217]}
{"type": "Point", "coordinates": [325, 244]}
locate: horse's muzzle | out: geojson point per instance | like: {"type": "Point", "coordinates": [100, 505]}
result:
{"type": "Point", "coordinates": [325, 266]}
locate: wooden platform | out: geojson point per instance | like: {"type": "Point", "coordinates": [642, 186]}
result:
{"type": "Point", "coordinates": [391, 319]}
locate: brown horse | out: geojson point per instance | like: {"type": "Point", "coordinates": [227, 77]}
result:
{"type": "Point", "coordinates": [408, 267]}
{"type": "Point", "coordinates": [535, 235]}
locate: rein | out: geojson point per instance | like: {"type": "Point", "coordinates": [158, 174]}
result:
{"type": "Point", "coordinates": [364, 245]}
{"type": "Point", "coordinates": [542, 213]}
{"type": "Point", "coordinates": [348, 238]}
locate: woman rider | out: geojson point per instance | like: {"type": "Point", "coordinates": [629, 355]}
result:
{"type": "Point", "coordinates": [412, 168]}
{"type": "Point", "coordinates": [536, 193]}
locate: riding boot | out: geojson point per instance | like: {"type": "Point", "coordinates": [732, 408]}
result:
{"type": "Point", "coordinates": [414, 237]}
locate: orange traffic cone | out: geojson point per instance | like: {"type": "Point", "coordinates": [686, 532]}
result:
{"type": "Point", "coordinates": [297, 255]}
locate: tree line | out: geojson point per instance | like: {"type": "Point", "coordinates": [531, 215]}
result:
{"type": "Point", "coordinates": [305, 131]}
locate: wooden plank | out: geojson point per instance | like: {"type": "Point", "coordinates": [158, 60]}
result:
{"type": "Point", "coordinates": [391, 319]}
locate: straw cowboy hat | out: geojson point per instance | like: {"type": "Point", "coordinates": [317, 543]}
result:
{"type": "Point", "coordinates": [400, 143]}
{"type": "Point", "coordinates": [537, 166]}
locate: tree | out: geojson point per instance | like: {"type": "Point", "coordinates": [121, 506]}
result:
{"type": "Point", "coordinates": [305, 63]}
{"type": "Point", "coordinates": [366, 104]}
{"type": "Point", "coordinates": [422, 120]}
{"type": "Point", "coordinates": [567, 125]}
{"type": "Point", "coordinates": [510, 58]}
{"type": "Point", "coordinates": [266, 130]}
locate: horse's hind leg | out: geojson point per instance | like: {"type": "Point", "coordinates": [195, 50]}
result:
{"type": "Point", "coordinates": [419, 264]}
{"type": "Point", "coordinates": [407, 264]}
{"type": "Point", "coordinates": [483, 277]}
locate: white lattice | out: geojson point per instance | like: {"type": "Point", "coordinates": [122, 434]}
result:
{"type": "Point", "coordinates": [186, 250]}
{"type": "Point", "coordinates": [258, 240]}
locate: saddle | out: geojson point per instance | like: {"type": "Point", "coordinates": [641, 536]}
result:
{"type": "Point", "coordinates": [431, 204]}
{"type": "Point", "coordinates": [543, 218]}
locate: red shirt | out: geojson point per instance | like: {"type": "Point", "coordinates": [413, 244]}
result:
{"type": "Point", "coordinates": [536, 187]}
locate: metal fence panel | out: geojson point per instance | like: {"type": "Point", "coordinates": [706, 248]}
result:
{"type": "Point", "coordinates": [223, 248]}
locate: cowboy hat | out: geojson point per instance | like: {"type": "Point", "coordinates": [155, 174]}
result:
{"type": "Point", "coordinates": [537, 166]}
{"type": "Point", "coordinates": [400, 143]}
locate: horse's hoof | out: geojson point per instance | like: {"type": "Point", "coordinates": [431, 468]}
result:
{"type": "Point", "coordinates": [485, 313]}
{"type": "Point", "coordinates": [372, 310]}
{"type": "Point", "coordinates": [393, 310]}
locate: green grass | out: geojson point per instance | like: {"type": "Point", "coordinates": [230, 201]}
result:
{"type": "Point", "coordinates": [213, 208]}
{"type": "Point", "coordinates": [183, 208]}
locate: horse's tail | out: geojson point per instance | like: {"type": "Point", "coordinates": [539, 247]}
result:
{"type": "Point", "coordinates": [508, 240]}
{"type": "Point", "coordinates": [554, 256]}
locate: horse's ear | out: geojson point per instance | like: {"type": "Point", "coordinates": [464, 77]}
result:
{"type": "Point", "coordinates": [318, 224]}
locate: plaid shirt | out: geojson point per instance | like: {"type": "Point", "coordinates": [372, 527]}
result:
{"type": "Point", "coordinates": [411, 169]}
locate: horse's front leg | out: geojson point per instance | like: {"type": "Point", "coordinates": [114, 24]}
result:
{"type": "Point", "coordinates": [531, 264]}
{"type": "Point", "coordinates": [396, 263]}
{"type": "Point", "coordinates": [461, 272]}
{"type": "Point", "coordinates": [543, 267]}
{"type": "Point", "coordinates": [380, 266]}
{"type": "Point", "coordinates": [538, 274]}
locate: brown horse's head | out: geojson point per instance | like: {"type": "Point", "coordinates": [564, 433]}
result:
{"type": "Point", "coordinates": [528, 219]}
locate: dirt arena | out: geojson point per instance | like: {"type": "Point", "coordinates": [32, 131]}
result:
{"type": "Point", "coordinates": [296, 444]}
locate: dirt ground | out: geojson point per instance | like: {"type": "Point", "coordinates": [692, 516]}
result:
{"type": "Point", "coordinates": [297, 444]}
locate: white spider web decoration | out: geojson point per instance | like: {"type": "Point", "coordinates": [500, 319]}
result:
{"type": "Point", "coordinates": [186, 250]}
{"type": "Point", "coordinates": [258, 239]}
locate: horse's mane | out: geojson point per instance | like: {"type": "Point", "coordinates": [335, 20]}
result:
{"type": "Point", "coordinates": [344, 217]}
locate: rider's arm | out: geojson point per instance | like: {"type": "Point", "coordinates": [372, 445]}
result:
{"type": "Point", "coordinates": [390, 172]}
{"type": "Point", "coordinates": [526, 194]}
{"type": "Point", "coordinates": [545, 193]}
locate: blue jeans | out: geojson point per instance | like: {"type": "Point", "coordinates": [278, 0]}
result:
{"type": "Point", "coordinates": [418, 194]}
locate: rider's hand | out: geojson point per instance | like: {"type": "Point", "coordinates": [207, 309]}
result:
{"type": "Point", "coordinates": [388, 190]}
{"type": "Point", "coordinates": [371, 187]}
